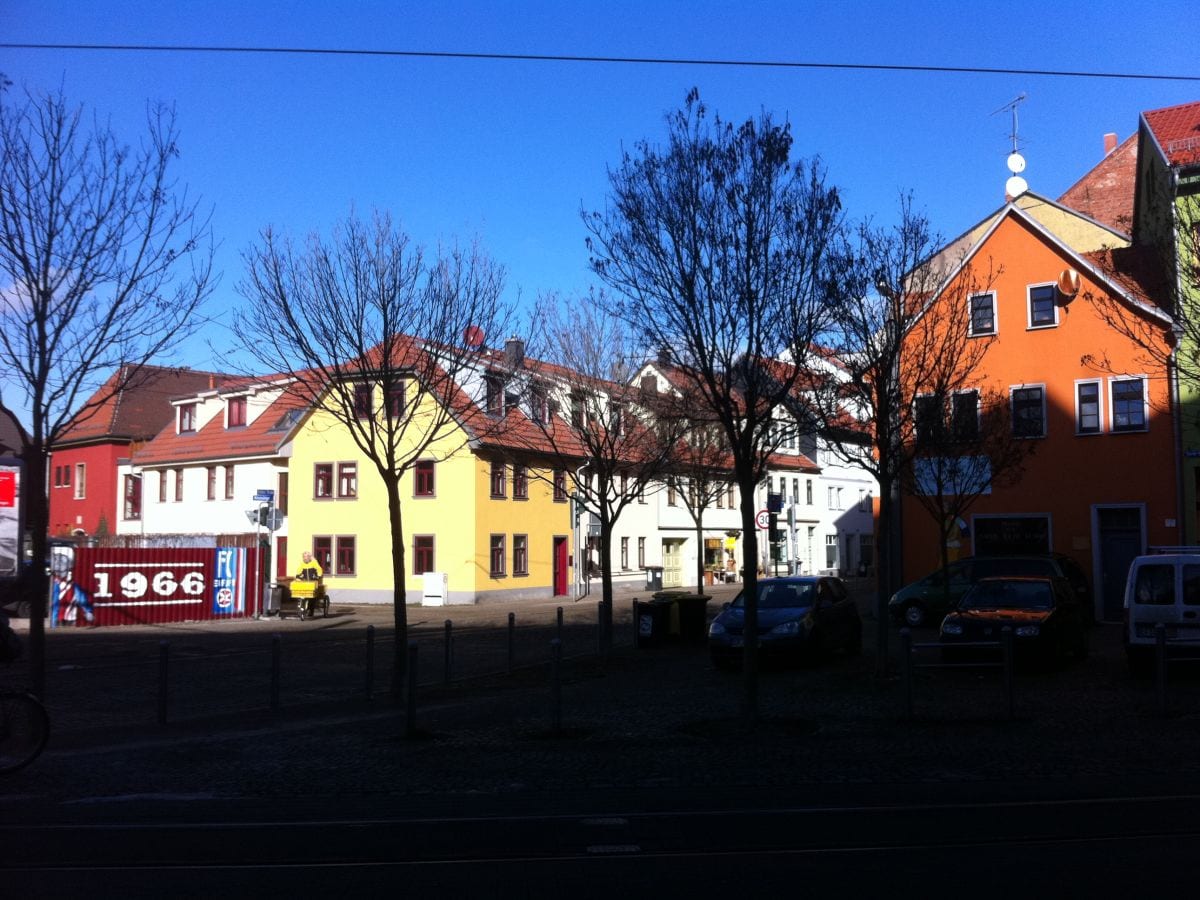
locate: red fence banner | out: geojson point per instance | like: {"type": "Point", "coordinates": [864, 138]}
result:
{"type": "Point", "coordinates": [144, 586]}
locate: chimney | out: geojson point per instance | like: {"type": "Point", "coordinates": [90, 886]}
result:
{"type": "Point", "coordinates": [514, 352]}
{"type": "Point", "coordinates": [1110, 142]}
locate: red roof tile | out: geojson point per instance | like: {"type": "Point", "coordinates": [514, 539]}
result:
{"type": "Point", "coordinates": [1105, 193]}
{"type": "Point", "coordinates": [262, 437]}
{"type": "Point", "coordinates": [139, 409]}
{"type": "Point", "coordinates": [1177, 131]}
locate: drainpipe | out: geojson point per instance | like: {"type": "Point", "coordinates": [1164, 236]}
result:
{"type": "Point", "coordinates": [1177, 428]}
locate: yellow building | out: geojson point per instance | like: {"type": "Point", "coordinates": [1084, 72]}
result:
{"type": "Point", "coordinates": [475, 507]}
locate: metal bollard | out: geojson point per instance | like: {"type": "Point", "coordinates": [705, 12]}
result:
{"type": "Point", "coordinates": [1006, 647]}
{"type": "Point", "coordinates": [410, 690]}
{"type": "Point", "coordinates": [448, 653]}
{"type": "Point", "coordinates": [1160, 666]}
{"type": "Point", "coordinates": [600, 645]}
{"type": "Point", "coordinates": [369, 687]}
{"type": "Point", "coordinates": [276, 642]}
{"type": "Point", "coordinates": [164, 648]}
{"type": "Point", "coordinates": [558, 627]}
{"type": "Point", "coordinates": [555, 686]}
{"type": "Point", "coordinates": [512, 629]}
{"type": "Point", "coordinates": [906, 667]}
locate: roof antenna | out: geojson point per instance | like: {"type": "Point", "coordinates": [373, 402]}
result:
{"type": "Point", "coordinates": [1016, 185]}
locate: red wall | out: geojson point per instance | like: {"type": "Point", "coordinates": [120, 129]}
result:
{"type": "Point", "coordinates": [69, 513]}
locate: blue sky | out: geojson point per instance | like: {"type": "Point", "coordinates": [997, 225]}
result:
{"type": "Point", "coordinates": [509, 152]}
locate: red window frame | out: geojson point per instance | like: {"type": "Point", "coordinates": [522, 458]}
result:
{"type": "Point", "coordinates": [322, 481]}
{"type": "Point", "coordinates": [423, 478]}
{"type": "Point", "coordinates": [423, 553]}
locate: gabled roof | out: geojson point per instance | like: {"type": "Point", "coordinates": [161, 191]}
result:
{"type": "Point", "coordinates": [1176, 131]}
{"type": "Point", "coordinates": [12, 435]}
{"type": "Point", "coordinates": [1105, 193]}
{"type": "Point", "coordinates": [1129, 280]}
{"type": "Point", "coordinates": [265, 436]}
{"type": "Point", "coordinates": [139, 409]}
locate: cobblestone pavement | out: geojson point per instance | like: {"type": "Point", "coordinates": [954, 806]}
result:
{"type": "Point", "coordinates": [652, 717]}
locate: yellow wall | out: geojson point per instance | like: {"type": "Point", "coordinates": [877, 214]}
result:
{"type": "Point", "coordinates": [461, 516]}
{"type": "Point", "coordinates": [539, 517]}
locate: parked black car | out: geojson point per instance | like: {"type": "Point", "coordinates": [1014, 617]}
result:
{"type": "Point", "coordinates": [800, 618]}
{"type": "Point", "coordinates": [1046, 619]}
{"type": "Point", "coordinates": [931, 597]}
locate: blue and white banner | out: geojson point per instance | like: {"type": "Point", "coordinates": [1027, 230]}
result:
{"type": "Point", "coordinates": [229, 582]}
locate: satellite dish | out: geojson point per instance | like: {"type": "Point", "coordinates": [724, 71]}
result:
{"type": "Point", "coordinates": [473, 336]}
{"type": "Point", "coordinates": [1068, 283]}
{"type": "Point", "coordinates": [1016, 163]}
{"type": "Point", "coordinates": [1015, 186]}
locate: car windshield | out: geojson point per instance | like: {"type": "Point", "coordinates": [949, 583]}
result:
{"type": "Point", "coordinates": [1009, 595]}
{"type": "Point", "coordinates": [782, 596]}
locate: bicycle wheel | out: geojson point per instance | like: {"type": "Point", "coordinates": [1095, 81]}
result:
{"type": "Point", "coordinates": [24, 728]}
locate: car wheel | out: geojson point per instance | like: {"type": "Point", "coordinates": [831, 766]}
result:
{"type": "Point", "coordinates": [24, 609]}
{"type": "Point", "coordinates": [914, 615]}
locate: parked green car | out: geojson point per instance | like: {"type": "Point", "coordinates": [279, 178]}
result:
{"type": "Point", "coordinates": [936, 594]}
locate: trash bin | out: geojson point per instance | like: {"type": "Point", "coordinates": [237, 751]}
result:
{"type": "Point", "coordinates": [693, 617]}
{"type": "Point", "coordinates": [274, 598]}
{"type": "Point", "coordinates": [652, 622]}
{"type": "Point", "coordinates": [654, 578]}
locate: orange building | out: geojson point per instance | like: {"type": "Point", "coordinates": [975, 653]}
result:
{"type": "Point", "coordinates": [1101, 482]}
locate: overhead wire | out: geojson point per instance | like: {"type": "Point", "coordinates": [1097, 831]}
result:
{"type": "Point", "coordinates": [620, 60]}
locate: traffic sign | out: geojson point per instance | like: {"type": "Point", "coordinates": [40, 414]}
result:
{"type": "Point", "coordinates": [264, 496]}
{"type": "Point", "coordinates": [763, 519]}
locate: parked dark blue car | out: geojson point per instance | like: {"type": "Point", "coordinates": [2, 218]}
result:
{"type": "Point", "coordinates": [800, 619]}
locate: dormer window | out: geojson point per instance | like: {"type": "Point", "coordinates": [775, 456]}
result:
{"type": "Point", "coordinates": [235, 412]}
{"type": "Point", "coordinates": [494, 395]}
{"type": "Point", "coordinates": [187, 418]}
{"type": "Point", "coordinates": [537, 404]}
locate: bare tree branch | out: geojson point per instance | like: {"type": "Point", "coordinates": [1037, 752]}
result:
{"type": "Point", "coordinates": [104, 265]}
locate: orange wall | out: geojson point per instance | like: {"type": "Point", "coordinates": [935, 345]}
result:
{"type": "Point", "coordinates": [1067, 473]}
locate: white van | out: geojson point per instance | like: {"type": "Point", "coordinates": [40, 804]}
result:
{"type": "Point", "coordinates": [1164, 588]}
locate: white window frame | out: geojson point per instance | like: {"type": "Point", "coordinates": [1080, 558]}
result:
{"type": "Point", "coordinates": [1112, 418]}
{"type": "Point", "coordinates": [1013, 412]}
{"type": "Point", "coordinates": [1029, 289]}
{"type": "Point", "coordinates": [80, 481]}
{"type": "Point", "coordinates": [1099, 406]}
{"type": "Point", "coordinates": [971, 332]}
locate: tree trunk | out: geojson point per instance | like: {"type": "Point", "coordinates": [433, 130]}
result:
{"type": "Point", "coordinates": [749, 710]}
{"type": "Point", "coordinates": [399, 594]}
{"type": "Point", "coordinates": [699, 552]}
{"type": "Point", "coordinates": [884, 575]}
{"type": "Point", "coordinates": [606, 583]}
{"type": "Point", "coordinates": [37, 522]}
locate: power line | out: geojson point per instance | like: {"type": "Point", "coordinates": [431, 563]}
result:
{"type": "Point", "coordinates": [620, 60]}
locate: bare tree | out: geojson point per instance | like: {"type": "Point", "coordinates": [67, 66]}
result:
{"type": "Point", "coordinates": [378, 336]}
{"type": "Point", "coordinates": [105, 263]}
{"type": "Point", "coordinates": [893, 344]}
{"type": "Point", "coordinates": [700, 467]}
{"type": "Point", "coordinates": [716, 245]}
{"type": "Point", "coordinates": [608, 434]}
{"type": "Point", "coordinates": [966, 446]}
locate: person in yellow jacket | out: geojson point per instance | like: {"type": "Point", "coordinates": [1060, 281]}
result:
{"type": "Point", "coordinates": [310, 569]}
